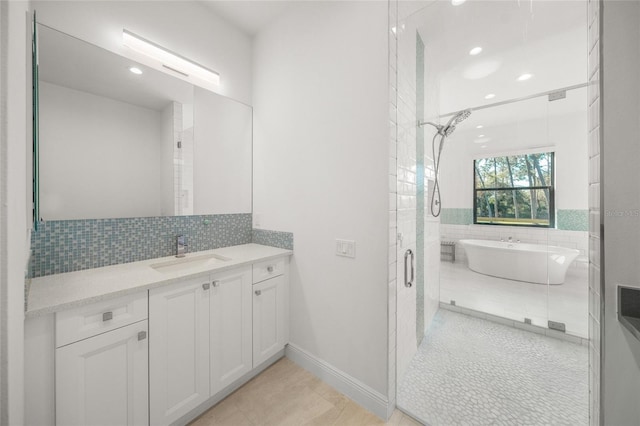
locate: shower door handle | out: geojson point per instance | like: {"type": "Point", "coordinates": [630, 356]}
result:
{"type": "Point", "coordinates": [408, 282]}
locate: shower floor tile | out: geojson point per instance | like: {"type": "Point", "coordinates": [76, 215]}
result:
{"type": "Point", "coordinates": [470, 371]}
{"type": "Point", "coordinates": [567, 303]}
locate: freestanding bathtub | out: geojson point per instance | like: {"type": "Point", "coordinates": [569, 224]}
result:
{"type": "Point", "coordinates": [534, 263]}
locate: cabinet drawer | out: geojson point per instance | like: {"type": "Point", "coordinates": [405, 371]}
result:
{"type": "Point", "coordinates": [87, 321]}
{"type": "Point", "coordinates": [268, 269]}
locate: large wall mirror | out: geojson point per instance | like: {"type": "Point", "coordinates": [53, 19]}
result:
{"type": "Point", "coordinates": [119, 139]}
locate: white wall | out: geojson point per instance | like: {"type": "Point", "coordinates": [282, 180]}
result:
{"type": "Point", "coordinates": [14, 226]}
{"type": "Point", "coordinates": [621, 154]}
{"type": "Point", "coordinates": [185, 27]}
{"type": "Point", "coordinates": [92, 168]}
{"type": "Point", "coordinates": [221, 154]}
{"type": "Point", "coordinates": [320, 171]}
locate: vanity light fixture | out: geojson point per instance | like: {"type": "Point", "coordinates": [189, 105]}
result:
{"type": "Point", "coordinates": [475, 51]}
{"type": "Point", "coordinates": [135, 70]}
{"type": "Point", "coordinates": [168, 59]}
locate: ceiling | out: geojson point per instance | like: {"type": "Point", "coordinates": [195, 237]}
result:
{"type": "Point", "coordinates": [249, 16]}
{"type": "Point", "coordinates": [545, 38]}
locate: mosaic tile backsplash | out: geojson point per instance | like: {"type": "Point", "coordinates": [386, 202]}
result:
{"type": "Point", "coordinates": [74, 245]}
{"type": "Point", "coordinates": [566, 220]}
{"type": "Point", "coordinates": [283, 240]}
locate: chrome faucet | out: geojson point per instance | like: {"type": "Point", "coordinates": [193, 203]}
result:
{"type": "Point", "coordinates": [181, 245]}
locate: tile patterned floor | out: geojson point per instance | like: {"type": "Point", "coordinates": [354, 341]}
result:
{"type": "Point", "coordinates": [567, 303]}
{"type": "Point", "coordinates": [286, 394]}
{"type": "Point", "coordinates": [470, 371]}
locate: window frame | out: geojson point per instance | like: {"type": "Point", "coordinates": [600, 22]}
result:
{"type": "Point", "coordinates": [551, 188]}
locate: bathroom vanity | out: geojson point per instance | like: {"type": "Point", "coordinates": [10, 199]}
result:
{"type": "Point", "coordinates": [154, 342]}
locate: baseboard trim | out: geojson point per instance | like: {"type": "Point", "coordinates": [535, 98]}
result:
{"type": "Point", "coordinates": [369, 398]}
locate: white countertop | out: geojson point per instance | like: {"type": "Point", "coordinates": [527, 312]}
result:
{"type": "Point", "coordinates": [58, 292]}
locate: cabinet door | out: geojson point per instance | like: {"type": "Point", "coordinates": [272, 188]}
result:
{"type": "Point", "coordinates": [179, 349]}
{"type": "Point", "coordinates": [103, 380]}
{"type": "Point", "coordinates": [270, 316]}
{"type": "Point", "coordinates": [231, 355]}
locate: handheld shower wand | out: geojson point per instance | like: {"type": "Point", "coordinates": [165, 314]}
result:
{"type": "Point", "coordinates": [443, 131]}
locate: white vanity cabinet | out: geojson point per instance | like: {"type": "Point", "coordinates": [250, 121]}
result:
{"type": "Point", "coordinates": [270, 309]}
{"type": "Point", "coordinates": [231, 327]}
{"type": "Point", "coordinates": [200, 341]}
{"type": "Point", "coordinates": [160, 355]}
{"type": "Point", "coordinates": [179, 349]}
{"type": "Point", "coordinates": [101, 364]}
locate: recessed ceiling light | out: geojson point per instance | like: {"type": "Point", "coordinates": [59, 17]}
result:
{"type": "Point", "coordinates": [475, 51]}
{"type": "Point", "coordinates": [490, 96]}
{"type": "Point", "coordinates": [457, 2]}
{"type": "Point", "coordinates": [482, 139]}
{"type": "Point", "coordinates": [525, 77]}
{"type": "Point", "coordinates": [135, 70]}
{"type": "Point", "coordinates": [479, 126]}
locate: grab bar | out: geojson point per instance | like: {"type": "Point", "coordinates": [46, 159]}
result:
{"type": "Point", "coordinates": [407, 282]}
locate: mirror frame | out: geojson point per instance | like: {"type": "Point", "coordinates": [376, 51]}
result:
{"type": "Point", "coordinates": [35, 125]}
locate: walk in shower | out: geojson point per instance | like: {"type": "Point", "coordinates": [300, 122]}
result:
{"type": "Point", "coordinates": [506, 331]}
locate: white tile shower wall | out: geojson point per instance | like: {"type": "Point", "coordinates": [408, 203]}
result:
{"type": "Point", "coordinates": [406, 192]}
{"type": "Point", "coordinates": [408, 85]}
{"type": "Point", "coordinates": [178, 160]}
{"type": "Point", "coordinates": [183, 159]}
{"type": "Point", "coordinates": [595, 299]}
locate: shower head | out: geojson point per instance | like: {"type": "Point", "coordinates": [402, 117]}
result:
{"type": "Point", "coordinates": [450, 127]}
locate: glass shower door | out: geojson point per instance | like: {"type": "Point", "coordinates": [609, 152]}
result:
{"type": "Point", "coordinates": [568, 302]}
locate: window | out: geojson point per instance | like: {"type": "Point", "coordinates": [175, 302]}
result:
{"type": "Point", "coordinates": [515, 190]}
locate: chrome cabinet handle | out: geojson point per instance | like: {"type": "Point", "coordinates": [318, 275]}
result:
{"type": "Point", "coordinates": [269, 268]}
{"type": "Point", "coordinates": [205, 286]}
{"type": "Point", "coordinates": [107, 316]}
{"type": "Point", "coordinates": [216, 283]}
{"type": "Point", "coordinates": [142, 335]}
{"type": "Point", "coordinates": [258, 292]}
{"type": "Point", "coordinates": [408, 282]}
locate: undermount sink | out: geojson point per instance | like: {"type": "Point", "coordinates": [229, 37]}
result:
{"type": "Point", "coordinates": [189, 262]}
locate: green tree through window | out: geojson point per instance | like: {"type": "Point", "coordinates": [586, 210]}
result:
{"type": "Point", "coordinates": [515, 190]}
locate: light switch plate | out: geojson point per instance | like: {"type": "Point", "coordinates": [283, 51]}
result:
{"type": "Point", "coordinates": [346, 248]}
